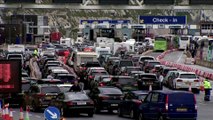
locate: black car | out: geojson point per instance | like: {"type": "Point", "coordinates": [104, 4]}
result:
{"type": "Point", "coordinates": [149, 79]}
{"type": "Point", "coordinates": [71, 103]}
{"type": "Point", "coordinates": [131, 102]}
{"type": "Point", "coordinates": [127, 70]}
{"type": "Point", "coordinates": [66, 78]}
{"type": "Point", "coordinates": [125, 83]}
{"type": "Point", "coordinates": [108, 98]}
{"type": "Point", "coordinates": [149, 65]}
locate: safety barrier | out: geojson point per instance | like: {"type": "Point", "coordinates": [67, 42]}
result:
{"type": "Point", "coordinates": [182, 66]}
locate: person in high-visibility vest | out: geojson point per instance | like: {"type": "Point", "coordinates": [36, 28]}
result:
{"type": "Point", "coordinates": [207, 87]}
{"type": "Point", "coordinates": [35, 52]}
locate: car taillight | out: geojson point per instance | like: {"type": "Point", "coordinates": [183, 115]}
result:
{"type": "Point", "coordinates": [167, 103]}
{"type": "Point", "coordinates": [195, 102]}
{"type": "Point", "coordinates": [104, 97]}
{"type": "Point", "coordinates": [91, 77]}
{"type": "Point", "coordinates": [41, 95]}
{"type": "Point", "coordinates": [70, 103]}
{"type": "Point", "coordinates": [179, 80]}
{"type": "Point", "coordinates": [196, 80]}
{"type": "Point", "coordinates": [138, 102]}
{"type": "Point", "coordinates": [101, 84]}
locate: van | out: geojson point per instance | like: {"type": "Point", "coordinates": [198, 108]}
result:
{"type": "Point", "coordinates": [167, 105]}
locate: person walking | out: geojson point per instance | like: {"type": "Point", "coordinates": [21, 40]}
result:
{"type": "Point", "coordinates": [207, 87]}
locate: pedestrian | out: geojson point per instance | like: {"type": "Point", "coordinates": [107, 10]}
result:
{"type": "Point", "coordinates": [207, 87]}
{"type": "Point", "coordinates": [76, 87]}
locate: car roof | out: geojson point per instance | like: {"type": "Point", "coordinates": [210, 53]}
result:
{"type": "Point", "coordinates": [93, 68]}
{"type": "Point", "coordinates": [64, 85]}
{"type": "Point", "coordinates": [138, 92]}
{"type": "Point", "coordinates": [149, 74]}
{"type": "Point", "coordinates": [171, 91]}
{"type": "Point", "coordinates": [182, 72]}
{"type": "Point", "coordinates": [132, 67]}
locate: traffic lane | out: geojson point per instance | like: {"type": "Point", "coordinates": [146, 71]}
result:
{"type": "Point", "coordinates": [177, 57]}
{"type": "Point", "coordinates": [102, 116]}
{"type": "Point", "coordinates": [153, 54]}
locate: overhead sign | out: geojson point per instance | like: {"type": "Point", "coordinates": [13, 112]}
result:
{"type": "Point", "coordinates": [52, 113]}
{"type": "Point", "coordinates": [162, 20]}
{"type": "Point", "coordinates": [104, 21]}
{"type": "Point", "coordinates": [10, 81]}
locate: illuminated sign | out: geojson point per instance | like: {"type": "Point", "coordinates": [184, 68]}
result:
{"type": "Point", "coordinates": [162, 19]}
{"type": "Point", "coordinates": [10, 76]}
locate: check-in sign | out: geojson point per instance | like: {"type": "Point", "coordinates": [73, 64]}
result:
{"type": "Point", "coordinates": [162, 20]}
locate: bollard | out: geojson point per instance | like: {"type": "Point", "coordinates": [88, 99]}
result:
{"type": "Point", "coordinates": [7, 114]}
{"type": "Point", "coordinates": [11, 115]}
{"type": "Point", "coordinates": [21, 116]}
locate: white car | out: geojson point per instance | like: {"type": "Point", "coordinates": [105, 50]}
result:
{"type": "Point", "coordinates": [185, 80]}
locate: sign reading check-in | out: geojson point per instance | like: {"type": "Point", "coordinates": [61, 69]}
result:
{"type": "Point", "coordinates": [162, 20]}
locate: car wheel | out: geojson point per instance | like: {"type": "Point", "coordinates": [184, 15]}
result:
{"type": "Point", "coordinates": [119, 112]}
{"type": "Point", "coordinates": [160, 117]}
{"type": "Point", "coordinates": [90, 114]}
{"type": "Point", "coordinates": [140, 117]}
{"type": "Point", "coordinates": [132, 114]}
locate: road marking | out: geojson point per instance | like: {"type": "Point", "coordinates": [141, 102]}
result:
{"type": "Point", "coordinates": [38, 116]}
{"type": "Point", "coordinates": [180, 57]}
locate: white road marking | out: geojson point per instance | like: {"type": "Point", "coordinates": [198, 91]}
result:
{"type": "Point", "coordinates": [180, 57]}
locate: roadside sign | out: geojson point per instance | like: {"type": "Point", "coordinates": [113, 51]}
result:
{"type": "Point", "coordinates": [52, 113]}
{"type": "Point", "coordinates": [162, 20]}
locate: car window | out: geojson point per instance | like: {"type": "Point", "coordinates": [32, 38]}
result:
{"type": "Point", "coordinates": [125, 63]}
{"type": "Point", "coordinates": [146, 58]}
{"type": "Point", "coordinates": [141, 96]}
{"type": "Point", "coordinates": [188, 76]}
{"type": "Point", "coordinates": [181, 98]}
{"type": "Point", "coordinates": [154, 97]}
{"type": "Point", "coordinates": [110, 91]}
{"type": "Point", "coordinates": [50, 89]}
{"type": "Point", "coordinates": [77, 97]}
{"type": "Point", "coordinates": [152, 64]}
{"type": "Point", "coordinates": [148, 97]}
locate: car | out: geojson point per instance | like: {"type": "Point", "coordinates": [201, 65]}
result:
{"type": "Point", "coordinates": [120, 65]}
{"type": "Point", "coordinates": [39, 96]}
{"type": "Point", "coordinates": [108, 98]}
{"type": "Point", "coordinates": [144, 58]}
{"type": "Point", "coordinates": [70, 103]}
{"type": "Point", "coordinates": [135, 73]}
{"type": "Point", "coordinates": [186, 80]}
{"type": "Point", "coordinates": [130, 103]}
{"type": "Point", "coordinates": [84, 66]}
{"type": "Point", "coordinates": [125, 83]}
{"type": "Point", "coordinates": [168, 105]}
{"type": "Point", "coordinates": [167, 69]}
{"type": "Point", "coordinates": [109, 60]}
{"type": "Point", "coordinates": [103, 80]}
{"type": "Point", "coordinates": [135, 59]}
{"type": "Point", "coordinates": [55, 72]}
{"type": "Point", "coordinates": [149, 65]}
{"type": "Point", "coordinates": [93, 71]}
{"type": "Point", "coordinates": [126, 71]}
{"type": "Point", "coordinates": [48, 81]}
{"type": "Point", "coordinates": [168, 79]}
{"type": "Point", "coordinates": [149, 79]}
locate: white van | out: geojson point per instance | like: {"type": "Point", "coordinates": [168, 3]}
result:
{"type": "Point", "coordinates": [102, 50]}
{"type": "Point", "coordinates": [77, 58]}
{"type": "Point", "coordinates": [184, 41]}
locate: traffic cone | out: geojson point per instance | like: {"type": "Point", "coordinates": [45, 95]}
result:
{"type": "Point", "coordinates": [6, 114]}
{"type": "Point", "coordinates": [21, 116]}
{"type": "Point", "coordinates": [3, 113]}
{"type": "Point", "coordinates": [11, 115]}
{"type": "Point", "coordinates": [190, 87]}
{"type": "Point", "coordinates": [27, 114]}
{"type": "Point", "coordinates": [150, 87]}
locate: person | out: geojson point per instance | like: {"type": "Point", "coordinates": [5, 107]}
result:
{"type": "Point", "coordinates": [75, 87]}
{"type": "Point", "coordinates": [207, 87]}
{"type": "Point", "coordinates": [35, 52]}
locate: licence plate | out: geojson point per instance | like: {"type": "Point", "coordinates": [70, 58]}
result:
{"type": "Point", "coordinates": [181, 109]}
{"type": "Point", "coordinates": [114, 104]}
{"type": "Point", "coordinates": [48, 98]}
{"type": "Point", "coordinates": [149, 83]}
{"type": "Point", "coordinates": [81, 103]}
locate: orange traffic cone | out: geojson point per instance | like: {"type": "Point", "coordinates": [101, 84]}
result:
{"type": "Point", "coordinates": [21, 117]}
{"type": "Point", "coordinates": [190, 87]}
{"type": "Point", "coordinates": [6, 113]}
{"type": "Point", "coordinates": [150, 87]}
{"type": "Point", "coordinates": [11, 115]}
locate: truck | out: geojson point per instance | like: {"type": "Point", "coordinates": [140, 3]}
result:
{"type": "Point", "coordinates": [67, 42]}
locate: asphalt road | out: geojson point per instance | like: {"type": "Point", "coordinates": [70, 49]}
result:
{"type": "Point", "coordinates": [204, 108]}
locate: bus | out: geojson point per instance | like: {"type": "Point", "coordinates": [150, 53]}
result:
{"type": "Point", "coordinates": [183, 42]}
{"type": "Point", "coordinates": [160, 44]}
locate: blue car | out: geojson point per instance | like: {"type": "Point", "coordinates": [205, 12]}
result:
{"type": "Point", "coordinates": [168, 105]}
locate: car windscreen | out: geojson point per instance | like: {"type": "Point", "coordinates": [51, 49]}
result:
{"type": "Point", "coordinates": [99, 73]}
{"type": "Point", "coordinates": [126, 63]}
{"type": "Point", "coordinates": [152, 64]}
{"type": "Point", "coordinates": [110, 91]}
{"type": "Point", "coordinates": [148, 77]}
{"type": "Point", "coordinates": [181, 98]}
{"type": "Point", "coordinates": [135, 59]}
{"type": "Point", "coordinates": [50, 89]}
{"type": "Point", "coordinates": [192, 76]}
{"type": "Point", "coordinates": [167, 70]}
{"type": "Point", "coordinates": [146, 58]}
{"type": "Point", "coordinates": [77, 97]}
{"type": "Point", "coordinates": [66, 78]}
{"type": "Point", "coordinates": [132, 69]}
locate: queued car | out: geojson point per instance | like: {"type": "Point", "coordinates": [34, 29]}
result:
{"type": "Point", "coordinates": [93, 71]}
{"type": "Point", "coordinates": [64, 87]}
{"type": "Point", "coordinates": [108, 98]}
{"type": "Point", "coordinates": [103, 80]}
{"type": "Point", "coordinates": [149, 65]}
{"type": "Point", "coordinates": [149, 79]}
{"type": "Point", "coordinates": [130, 103]}
{"type": "Point", "coordinates": [125, 83]}
{"type": "Point", "coordinates": [39, 96]}
{"type": "Point", "coordinates": [70, 103]}
{"type": "Point", "coordinates": [66, 78]}
{"type": "Point", "coordinates": [144, 58]}
{"type": "Point", "coordinates": [168, 105]}
{"type": "Point", "coordinates": [127, 70]}
{"type": "Point", "coordinates": [167, 69]}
